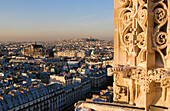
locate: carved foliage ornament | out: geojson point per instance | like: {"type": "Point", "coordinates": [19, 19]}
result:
{"type": "Point", "coordinates": [126, 15]}
{"type": "Point", "coordinates": [161, 40]}
{"type": "Point", "coordinates": [127, 38]}
{"type": "Point", "coordinates": [124, 3]}
{"type": "Point", "coordinates": [142, 20]}
{"type": "Point", "coordinates": [145, 77]}
{"type": "Point", "coordinates": [127, 18]}
{"type": "Point", "coordinates": [142, 16]}
{"type": "Point", "coordinates": [160, 36]}
{"type": "Point", "coordinates": [165, 82]}
{"type": "Point", "coordinates": [133, 30]}
{"type": "Point", "coordinates": [160, 15]}
{"type": "Point", "coordinates": [141, 40]}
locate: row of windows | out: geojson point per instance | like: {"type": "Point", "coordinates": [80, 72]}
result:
{"type": "Point", "coordinates": [41, 103]}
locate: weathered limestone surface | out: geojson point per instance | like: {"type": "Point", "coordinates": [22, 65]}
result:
{"type": "Point", "coordinates": [142, 52]}
{"type": "Point", "coordinates": [105, 106]}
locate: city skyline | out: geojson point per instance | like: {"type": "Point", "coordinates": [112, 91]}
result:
{"type": "Point", "coordinates": [53, 20]}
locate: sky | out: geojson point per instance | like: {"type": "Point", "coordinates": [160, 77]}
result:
{"type": "Point", "coordinates": [31, 20]}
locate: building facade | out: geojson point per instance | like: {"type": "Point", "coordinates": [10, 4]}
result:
{"type": "Point", "coordinates": [40, 97]}
{"type": "Point", "coordinates": [142, 53]}
{"type": "Point", "coordinates": [35, 50]}
{"type": "Point", "coordinates": [51, 97]}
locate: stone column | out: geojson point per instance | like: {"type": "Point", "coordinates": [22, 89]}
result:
{"type": "Point", "coordinates": [132, 91]}
{"type": "Point", "coordinates": [150, 53]}
{"type": "Point", "coordinates": [114, 88]}
{"type": "Point", "coordinates": [168, 48]}
{"type": "Point", "coordinates": [164, 93]}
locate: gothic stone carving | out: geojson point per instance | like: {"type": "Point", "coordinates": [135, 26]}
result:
{"type": "Point", "coordinates": [142, 51]}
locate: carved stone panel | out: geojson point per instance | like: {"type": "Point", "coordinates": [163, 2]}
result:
{"type": "Point", "coordinates": [141, 33]}
{"type": "Point", "coordinates": [142, 52]}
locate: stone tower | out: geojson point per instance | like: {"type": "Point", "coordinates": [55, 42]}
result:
{"type": "Point", "coordinates": [142, 52]}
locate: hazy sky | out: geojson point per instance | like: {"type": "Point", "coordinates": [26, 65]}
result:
{"type": "Point", "coordinates": [23, 20]}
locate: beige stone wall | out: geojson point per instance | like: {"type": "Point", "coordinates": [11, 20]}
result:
{"type": "Point", "coordinates": [141, 33]}
{"type": "Point", "coordinates": [101, 106]}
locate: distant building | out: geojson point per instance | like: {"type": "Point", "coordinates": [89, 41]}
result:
{"type": "Point", "coordinates": [51, 97]}
{"type": "Point", "coordinates": [73, 53]}
{"type": "Point", "coordinates": [98, 80]}
{"type": "Point", "coordinates": [36, 50]}
{"type": "Point", "coordinates": [104, 96]}
{"type": "Point", "coordinates": [67, 53]}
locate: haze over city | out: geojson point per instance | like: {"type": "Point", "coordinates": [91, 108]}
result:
{"type": "Point", "coordinates": [30, 20]}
